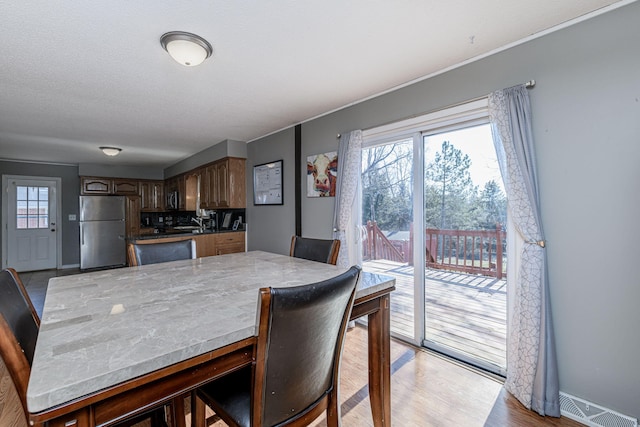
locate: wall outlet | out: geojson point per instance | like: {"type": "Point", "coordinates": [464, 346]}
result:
{"type": "Point", "coordinates": [72, 217]}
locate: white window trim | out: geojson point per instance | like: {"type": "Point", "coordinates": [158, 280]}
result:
{"type": "Point", "coordinates": [459, 116]}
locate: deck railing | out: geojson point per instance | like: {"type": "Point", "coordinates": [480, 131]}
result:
{"type": "Point", "coordinates": [377, 246]}
{"type": "Point", "coordinates": [468, 251]}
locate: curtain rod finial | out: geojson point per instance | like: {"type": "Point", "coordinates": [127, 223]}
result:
{"type": "Point", "coordinates": [338, 137]}
{"type": "Point", "coordinates": [530, 84]}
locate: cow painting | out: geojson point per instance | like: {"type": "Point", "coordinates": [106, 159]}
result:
{"type": "Point", "coordinates": [321, 174]}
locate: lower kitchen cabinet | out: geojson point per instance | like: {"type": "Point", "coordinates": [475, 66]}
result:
{"type": "Point", "coordinates": [208, 244]}
{"type": "Point", "coordinates": [229, 243]}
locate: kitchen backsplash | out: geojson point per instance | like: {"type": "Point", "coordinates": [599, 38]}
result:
{"type": "Point", "coordinates": [217, 220]}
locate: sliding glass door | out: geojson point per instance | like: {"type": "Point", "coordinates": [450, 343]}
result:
{"type": "Point", "coordinates": [465, 247]}
{"type": "Point", "coordinates": [434, 217]}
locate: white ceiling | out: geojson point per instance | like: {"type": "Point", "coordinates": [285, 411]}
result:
{"type": "Point", "coordinates": [76, 75]}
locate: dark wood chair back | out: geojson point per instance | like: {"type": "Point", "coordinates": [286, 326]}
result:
{"type": "Point", "coordinates": [153, 253]}
{"type": "Point", "coordinates": [320, 250]}
{"type": "Point", "coordinates": [295, 378]}
{"type": "Point", "coordinates": [18, 312]}
{"type": "Point", "coordinates": [19, 325]}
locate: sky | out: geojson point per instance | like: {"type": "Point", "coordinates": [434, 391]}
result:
{"type": "Point", "coordinates": [477, 143]}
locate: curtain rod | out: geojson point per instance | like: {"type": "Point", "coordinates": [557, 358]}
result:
{"type": "Point", "coordinates": [529, 85]}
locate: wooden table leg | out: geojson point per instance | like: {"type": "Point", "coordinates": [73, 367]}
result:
{"type": "Point", "coordinates": [179, 415]}
{"type": "Point", "coordinates": [197, 411]}
{"type": "Point", "coordinates": [380, 364]}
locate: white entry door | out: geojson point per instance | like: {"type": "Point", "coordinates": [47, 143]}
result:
{"type": "Point", "coordinates": [31, 224]}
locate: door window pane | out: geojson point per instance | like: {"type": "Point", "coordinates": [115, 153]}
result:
{"type": "Point", "coordinates": [32, 207]}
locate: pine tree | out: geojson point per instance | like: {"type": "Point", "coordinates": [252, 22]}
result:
{"type": "Point", "coordinates": [449, 190]}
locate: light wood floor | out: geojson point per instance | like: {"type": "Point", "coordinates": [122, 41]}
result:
{"type": "Point", "coordinates": [426, 388]}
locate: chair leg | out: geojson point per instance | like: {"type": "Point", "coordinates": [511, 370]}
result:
{"type": "Point", "coordinates": [334, 418]}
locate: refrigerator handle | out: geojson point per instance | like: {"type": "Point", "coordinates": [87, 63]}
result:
{"type": "Point", "coordinates": [81, 235]}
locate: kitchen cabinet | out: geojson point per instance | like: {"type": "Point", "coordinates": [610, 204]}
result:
{"type": "Point", "coordinates": [191, 183]}
{"type": "Point", "coordinates": [90, 185]}
{"type": "Point", "coordinates": [125, 187]}
{"type": "Point", "coordinates": [230, 243]}
{"type": "Point", "coordinates": [132, 218]}
{"type": "Point", "coordinates": [205, 245]}
{"type": "Point", "coordinates": [182, 192]}
{"type": "Point", "coordinates": [207, 187]}
{"type": "Point", "coordinates": [223, 184]}
{"type": "Point", "coordinates": [151, 196]}
{"type": "Point", "coordinates": [220, 185]}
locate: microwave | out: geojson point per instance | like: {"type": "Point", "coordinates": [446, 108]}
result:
{"type": "Point", "coordinates": [173, 201]}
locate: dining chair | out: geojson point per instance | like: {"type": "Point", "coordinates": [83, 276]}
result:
{"type": "Point", "coordinates": [295, 375]}
{"type": "Point", "coordinates": [153, 253]}
{"type": "Point", "coordinates": [320, 250]}
{"type": "Point", "coordinates": [19, 326]}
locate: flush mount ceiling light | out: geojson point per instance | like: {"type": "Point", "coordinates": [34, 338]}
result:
{"type": "Point", "coordinates": [186, 48]}
{"type": "Point", "coordinates": [111, 151]}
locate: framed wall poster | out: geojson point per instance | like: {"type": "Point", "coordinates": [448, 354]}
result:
{"type": "Point", "coordinates": [267, 183]}
{"type": "Point", "coordinates": [322, 170]}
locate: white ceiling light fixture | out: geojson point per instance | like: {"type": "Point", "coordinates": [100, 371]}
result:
{"type": "Point", "coordinates": [111, 151]}
{"type": "Point", "coordinates": [186, 48]}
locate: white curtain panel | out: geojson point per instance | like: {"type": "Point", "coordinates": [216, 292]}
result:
{"type": "Point", "coordinates": [532, 375]}
{"type": "Point", "coordinates": [348, 181]}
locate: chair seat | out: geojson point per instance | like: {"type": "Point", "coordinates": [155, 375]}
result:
{"type": "Point", "coordinates": [233, 393]}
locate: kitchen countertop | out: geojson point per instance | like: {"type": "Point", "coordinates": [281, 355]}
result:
{"type": "Point", "coordinates": [165, 235]}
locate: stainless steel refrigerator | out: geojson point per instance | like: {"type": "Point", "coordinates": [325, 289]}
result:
{"type": "Point", "coordinates": [102, 231]}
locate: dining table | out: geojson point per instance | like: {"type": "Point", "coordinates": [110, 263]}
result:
{"type": "Point", "coordinates": [116, 343]}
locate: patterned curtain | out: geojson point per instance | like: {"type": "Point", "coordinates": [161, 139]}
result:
{"type": "Point", "coordinates": [532, 373]}
{"type": "Point", "coordinates": [344, 215]}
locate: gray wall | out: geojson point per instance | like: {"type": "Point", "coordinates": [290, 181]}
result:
{"type": "Point", "coordinates": [271, 226]}
{"type": "Point", "coordinates": [70, 193]}
{"type": "Point", "coordinates": [586, 113]}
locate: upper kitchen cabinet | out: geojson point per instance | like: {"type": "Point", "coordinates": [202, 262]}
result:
{"type": "Point", "coordinates": [125, 187]}
{"type": "Point", "coordinates": [191, 189]}
{"type": "Point", "coordinates": [90, 185]}
{"type": "Point", "coordinates": [151, 196]}
{"type": "Point", "coordinates": [224, 184]}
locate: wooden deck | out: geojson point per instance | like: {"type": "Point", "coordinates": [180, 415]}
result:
{"type": "Point", "coordinates": [464, 312]}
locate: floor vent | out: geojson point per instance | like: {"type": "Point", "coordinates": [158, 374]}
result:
{"type": "Point", "coordinates": [593, 415]}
